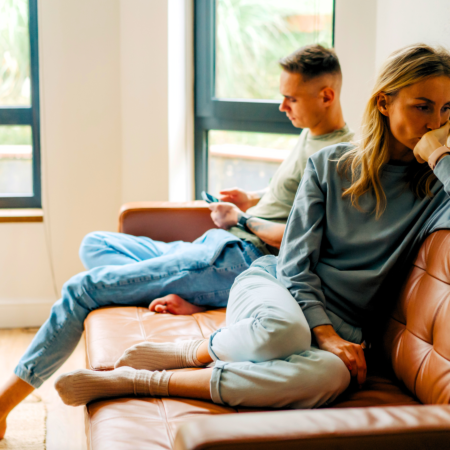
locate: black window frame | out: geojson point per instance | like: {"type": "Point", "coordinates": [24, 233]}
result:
{"type": "Point", "coordinates": [27, 115]}
{"type": "Point", "coordinates": [212, 113]}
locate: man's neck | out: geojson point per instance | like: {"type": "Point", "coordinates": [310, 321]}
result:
{"type": "Point", "coordinates": [332, 121]}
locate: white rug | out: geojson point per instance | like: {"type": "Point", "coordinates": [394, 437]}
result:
{"type": "Point", "coordinates": [26, 426]}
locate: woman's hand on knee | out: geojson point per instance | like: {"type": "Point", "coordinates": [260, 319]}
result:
{"type": "Point", "coordinates": [351, 354]}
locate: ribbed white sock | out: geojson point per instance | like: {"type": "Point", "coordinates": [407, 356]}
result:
{"type": "Point", "coordinates": [83, 386]}
{"type": "Point", "coordinates": [161, 355]}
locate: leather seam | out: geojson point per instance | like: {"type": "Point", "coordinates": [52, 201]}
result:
{"type": "Point", "coordinates": [426, 262]}
{"type": "Point", "coordinates": [141, 326]}
{"type": "Point", "coordinates": [88, 356]}
{"type": "Point", "coordinates": [162, 408]}
{"type": "Point", "coordinates": [420, 368]}
{"type": "Point", "coordinates": [433, 322]}
{"type": "Point", "coordinates": [199, 327]}
{"type": "Point", "coordinates": [436, 278]}
{"type": "Point", "coordinates": [442, 356]}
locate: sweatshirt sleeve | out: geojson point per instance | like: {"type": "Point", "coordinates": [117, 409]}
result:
{"type": "Point", "coordinates": [442, 172]}
{"type": "Point", "coordinates": [300, 249]}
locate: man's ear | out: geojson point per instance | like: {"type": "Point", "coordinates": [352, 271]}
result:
{"type": "Point", "coordinates": [328, 95]}
{"type": "Point", "coordinates": [383, 103]}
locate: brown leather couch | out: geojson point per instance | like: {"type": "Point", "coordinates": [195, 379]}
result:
{"type": "Point", "coordinates": [403, 405]}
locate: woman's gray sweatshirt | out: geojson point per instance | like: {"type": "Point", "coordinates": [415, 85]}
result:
{"type": "Point", "coordinates": [337, 258]}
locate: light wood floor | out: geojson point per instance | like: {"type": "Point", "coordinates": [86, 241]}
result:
{"type": "Point", "coordinates": [65, 424]}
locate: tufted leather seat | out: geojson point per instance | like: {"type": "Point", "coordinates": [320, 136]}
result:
{"type": "Point", "coordinates": [386, 413]}
{"type": "Point", "coordinates": [418, 337]}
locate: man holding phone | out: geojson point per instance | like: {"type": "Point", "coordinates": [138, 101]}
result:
{"type": "Point", "coordinates": [184, 277]}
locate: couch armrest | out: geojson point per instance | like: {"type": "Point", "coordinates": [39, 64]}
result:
{"type": "Point", "coordinates": [166, 221]}
{"type": "Point", "coordinates": [397, 428]}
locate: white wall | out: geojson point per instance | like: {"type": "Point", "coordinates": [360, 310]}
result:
{"type": "Point", "coordinates": [105, 138]}
{"type": "Point", "coordinates": [401, 23]}
{"type": "Point", "coordinates": [81, 128]}
{"type": "Point", "coordinates": [144, 95]}
{"type": "Point", "coordinates": [355, 43]}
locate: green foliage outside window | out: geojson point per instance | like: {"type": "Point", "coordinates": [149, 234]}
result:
{"type": "Point", "coordinates": [252, 35]}
{"type": "Point", "coordinates": [14, 53]}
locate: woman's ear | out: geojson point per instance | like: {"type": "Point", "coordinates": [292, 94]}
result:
{"type": "Point", "coordinates": [383, 103]}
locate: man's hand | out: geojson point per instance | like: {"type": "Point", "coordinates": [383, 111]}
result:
{"type": "Point", "coordinates": [430, 142]}
{"type": "Point", "coordinates": [224, 215]}
{"type": "Point", "coordinates": [242, 199]}
{"type": "Point", "coordinates": [351, 354]}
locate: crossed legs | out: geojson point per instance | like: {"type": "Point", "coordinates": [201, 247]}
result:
{"type": "Point", "coordinates": [262, 358]}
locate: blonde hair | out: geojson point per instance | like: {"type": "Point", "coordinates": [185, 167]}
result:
{"type": "Point", "coordinates": [403, 68]}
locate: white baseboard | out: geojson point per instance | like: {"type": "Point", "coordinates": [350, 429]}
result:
{"type": "Point", "coordinates": [24, 313]}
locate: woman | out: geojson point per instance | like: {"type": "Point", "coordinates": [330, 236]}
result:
{"type": "Point", "coordinates": [358, 210]}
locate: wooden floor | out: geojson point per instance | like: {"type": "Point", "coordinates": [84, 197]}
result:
{"type": "Point", "coordinates": [65, 424]}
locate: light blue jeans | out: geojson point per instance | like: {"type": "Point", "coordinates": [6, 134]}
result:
{"type": "Point", "coordinates": [133, 271]}
{"type": "Point", "coordinates": [264, 356]}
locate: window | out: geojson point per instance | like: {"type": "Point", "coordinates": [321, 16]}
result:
{"type": "Point", "coordinates": [20, 185]}
{"type": "Point", "coordinates": [240, 135]}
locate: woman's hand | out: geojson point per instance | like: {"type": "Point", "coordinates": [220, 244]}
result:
{"type": "Point", "coordinates": [224, 215]}
{"type": "Point", "coordinates": [351, 354]}
{"type": "Point", "coordinates": [430, 142]}
{"type": "Point", "coordinates": [242, 199]}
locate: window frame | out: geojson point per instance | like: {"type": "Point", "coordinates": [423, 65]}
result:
{"type": "Point", "coordinates": [212, 113]}
{"type": "Point", "coordinates": [27, 115]}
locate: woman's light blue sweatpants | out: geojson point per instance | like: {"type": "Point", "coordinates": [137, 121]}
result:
{"type": "Point", "coordinates": [264, 357]}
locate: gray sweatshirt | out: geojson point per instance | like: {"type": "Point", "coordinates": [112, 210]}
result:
{"type": "Point", "coordinates": [338, 258]}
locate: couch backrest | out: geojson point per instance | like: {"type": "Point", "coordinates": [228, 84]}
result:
{"type": "Point", "coordinates": [418, 335]}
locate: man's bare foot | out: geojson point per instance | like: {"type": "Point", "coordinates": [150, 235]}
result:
{"type": "Point", "coordinates": [2, 428]}
{"type": "Point", "coordinates": [174, 304]}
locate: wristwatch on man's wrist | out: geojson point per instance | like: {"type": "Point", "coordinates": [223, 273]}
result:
{"type": "Point", "coordinates": [242, 221]}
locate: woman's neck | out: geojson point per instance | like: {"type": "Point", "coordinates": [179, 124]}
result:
{"type": "Point", "coordinates": [399, 151]}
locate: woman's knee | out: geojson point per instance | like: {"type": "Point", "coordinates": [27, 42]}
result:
{"type": "Point", "coordinates": [281, 335]}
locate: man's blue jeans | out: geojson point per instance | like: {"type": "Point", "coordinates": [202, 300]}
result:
{"type": "Point", "coordinates": [133, 271]}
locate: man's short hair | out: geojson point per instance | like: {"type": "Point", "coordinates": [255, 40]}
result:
{"type": "Point", "coordinates": [312, 61]}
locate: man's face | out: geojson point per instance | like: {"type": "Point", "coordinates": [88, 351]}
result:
{"type": "Point", "coordinates": [302, 102]}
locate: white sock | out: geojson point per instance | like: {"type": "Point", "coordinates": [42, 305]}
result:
{"type": "Point", "coordinates": [83, 386]}
{"type": "Point", "coordinates": [161, 355]}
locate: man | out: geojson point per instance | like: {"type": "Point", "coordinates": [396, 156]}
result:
{"type": "Point", "coordinates": [183, 277]}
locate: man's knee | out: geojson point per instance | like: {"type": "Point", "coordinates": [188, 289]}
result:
{"type": "Point", "coordinates": [91, 243]}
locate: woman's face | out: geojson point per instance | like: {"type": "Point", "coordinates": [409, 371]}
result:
{"type": "Point", "coordinates": [415, 110]}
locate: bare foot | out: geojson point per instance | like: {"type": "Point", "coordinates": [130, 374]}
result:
{"type": "Point", "coordinates": [2, 428]}
{"type": "Point", "coordinates": [174, 304]}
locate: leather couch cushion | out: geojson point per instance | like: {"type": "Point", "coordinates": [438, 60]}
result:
{"type": "Point", "coordinates": [152, 422]}
{"type": "Point", "coordinates": [110, 331]}
{"type": "Point", "coordinates": [418, 335]}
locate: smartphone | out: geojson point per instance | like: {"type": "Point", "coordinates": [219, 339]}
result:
{"type": "Point", "coordinates": [209, 198]}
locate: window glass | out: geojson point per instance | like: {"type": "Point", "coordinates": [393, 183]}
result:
{"type": "Point", "coordinates": [252, 35]}
{"type": "Point", "coordinates": [245, 159]}
{"type": "Point", "coordinates": [16, 160]}
{"type": "Point", "coordinates": [15, 85]}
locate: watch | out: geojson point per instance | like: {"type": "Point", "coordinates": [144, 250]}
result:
{"type": "Point", "coordinates": [242, 221]}
{"type": "Point", "coordinates": [434, 157]}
